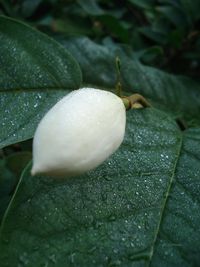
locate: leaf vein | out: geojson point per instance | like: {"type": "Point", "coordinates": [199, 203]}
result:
{"type": "Point", "coordinates": [165, 199]}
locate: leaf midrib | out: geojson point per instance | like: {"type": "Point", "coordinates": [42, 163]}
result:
{"type": "Point", "coordinates": [165, 200]}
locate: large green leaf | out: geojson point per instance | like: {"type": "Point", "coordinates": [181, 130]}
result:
{"type": "Point", "coordinates": [22, 111]}
{"type": "Point", "coordinates": [178, 95]}
{"type": "Point", "coordinates": [140, 208]}
{"type": "Point", "coordinates": [32, 67]}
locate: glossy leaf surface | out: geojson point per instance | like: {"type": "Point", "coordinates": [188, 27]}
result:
{"type": "Point", "coordinates": [140, 208]}
{"type": "Point", "coordinates": [32, 67]}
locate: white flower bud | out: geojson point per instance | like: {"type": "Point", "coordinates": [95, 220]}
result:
{"type": "Point", "coordinates": [77, 134]}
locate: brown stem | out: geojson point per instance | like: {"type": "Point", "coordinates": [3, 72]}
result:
{"type": "Point", "coordinates": [135, 101]}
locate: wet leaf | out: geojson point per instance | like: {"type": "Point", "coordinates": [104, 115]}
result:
{"type": "Point", "coordinates": [140, 208]}
{"type": "Point", "coordinates": [35, 71]}
{"type": "Point", "coordinates": [178, 95]}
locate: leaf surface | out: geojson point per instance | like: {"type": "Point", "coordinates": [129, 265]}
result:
{"type": "Point", "coordinates": [140, 208]}
{"type": "Point", "coordinates": [179, 96]}
{"type": "Point", "coordinates": [35, 71]}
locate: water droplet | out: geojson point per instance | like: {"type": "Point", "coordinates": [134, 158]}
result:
{"type": "Point", "coordinates": [89, 219]}
{"type": "Point", "coordinates": [107, 178]}
{"type": "Point", "coordinates": [104, 196]}
{"type": "Point", "coordinates": [120, 187]}
{"type": "Point", "coordinates": [114, 262]}
{"type": "Point", "coordinates": [46, 264]}
{"type": "Point", "coordinates": [52, 258]}
{"type": "Point", "coordinates": [112, 218]}
{"type": "Point", "coordinates": [92, 249]}
{"type": "Point", "coordinates": [115, 250]}
{"type": "Point", "coordinates": [72, 257]}
{"type": "Point", "coordinates": [97, 224]}
{"type": "Point", "coordinates": [23, 259]}
{"type": "Point", "coordinates": [128, 206]}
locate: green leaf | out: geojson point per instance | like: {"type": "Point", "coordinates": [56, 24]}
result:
{"type": "Point", "coordinates": [28, 7]}
{"type": "Point", "coordinates": [72, 26]}
{"type": "Point", "coordinates": [21, 113]}
{"type": "Point", "coordinates": [91, 7]}
{"type": "Point", "coordinates": [140, 208]}
{"type": "Point", "coordinates": [180, 96]}
{"type": "Point", "coordinates": [35, 71]}
{"type": "Point", "coordinates": [191, 8]}
{"type": "Point", "coordinates": [10, 171]}
{"type": "Point", "coordinates": [116, 27]}
{"type": "Point", "coordinates": [145, 4]}
{"type": "Point", "coordinates": [31, 60]}
{"type": "Point", "coordinates": [17, 162]}
{"type": "Point", "coordinates": [149, 54]}
{"type": "Point", "coordinates": [174, 15]}
{"type": "Point", "coordinates": [157, 36]}
{"type": "Point", "coordinates": [7, 184]}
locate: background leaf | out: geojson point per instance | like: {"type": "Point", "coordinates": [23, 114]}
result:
{"type": "Point", "coordinates": [168, 92]}
{"type": "Point", "coordinates": [140, 208]}
{"type": "Point", "coordinates": [91, 7]}
{"type": "Point", "coordinates": [32, 67]}
{"type": "Point", "coordinates": [10, 172]}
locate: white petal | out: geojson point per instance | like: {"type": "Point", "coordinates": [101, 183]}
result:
{"type": "Point", "coordinates": [77, 134]}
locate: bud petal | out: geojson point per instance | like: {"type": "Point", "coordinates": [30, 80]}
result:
{"type": "Point", "coordinates": [77, 134]}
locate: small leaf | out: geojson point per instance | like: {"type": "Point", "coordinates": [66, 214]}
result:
{"type": "Point", "coordinates": [155, 35]}
{"type": "Point", "coordinates": [91, 7]}
{"type": "Point", "coordinates": [28, 7]}
{"type": "Point", "coordinates": [174, 15]}
{"type": "Point", "coordinates": [192, 9]}
{"type": "Point", "coordinates": [116, 27]}
{"type": "Point", "coordinates": [146, 4]}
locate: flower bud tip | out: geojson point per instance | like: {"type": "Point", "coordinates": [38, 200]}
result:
{"type": "Point", "coordinates": [34, 171]}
